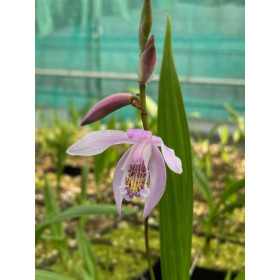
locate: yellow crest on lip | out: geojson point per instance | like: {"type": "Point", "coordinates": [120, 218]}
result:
{"type": "Point", "coordinates": [136, 178]}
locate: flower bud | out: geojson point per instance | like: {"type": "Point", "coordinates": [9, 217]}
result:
{"type": "Point", "coordinates": [147, 62]}
{"type": "Point", "coordinates": [145, 27]}
{"type": "Point", "coordinates": [109, 105]}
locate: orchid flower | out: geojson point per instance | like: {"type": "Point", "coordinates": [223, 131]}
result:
{"type": "Point", "coordinates": [141, 170]}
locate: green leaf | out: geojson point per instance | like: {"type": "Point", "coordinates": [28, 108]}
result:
{"type": "Point", "coordinates": [86, 107]}
{"type": "Point", "coordinates": [85, 171]}
{"type": "Point", "coordinates": [223, 133]}
{"type": "Point", "coordinates": [83, 195]}
{"type": "Point", "coordinates": [79, 211]}
{"type": "Point", "coordinates": [239, 120]}
{"type": "Point", "coordinates": [74, 113]}
{"type": "Point", "coordinates": [202, 183]}
{"type": "Point", "coordinates": [83, 272]}
{"type": "Point", "coordinates": [224, 155]}
{"type": "Point", "coordinates": [234, 115]}
{"type": "Point", "coordinates": [228, 275]}
{"type": "Point", "coordinates": [82, 198]}
{"type": "Point", "coordinates": [86, 252]}
{"type": "Point", "coordinates": [52, 207]}
{"type": "Point", "coordinates": [51, 237]}
{"type": "Point", "coordinates": [212, 131]}
{"type": "Point", "coordinates": [57, 231]}
{"type": "Point", "coordinates": [232, 189]}
{"type": "Point", "coordinates": [236, 136]}
{"type": "Point", "coordinates": [240, 201]}
{"type": "Point", "coordinates": [176, 205]}
{"type": "Point", "coordinates": [240, 275]}
{"type": "Point", "coordinates": [107, 264]}
{"type": "Point", "coordinates": [197, 133]}
{"type": "Point", "coordinates": [49, 275]}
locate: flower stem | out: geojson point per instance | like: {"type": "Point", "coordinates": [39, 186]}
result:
{"type": "Point", "coordinates": [144, 113]}
{"type": "Point", "coordinates": [144, 117]}
{"type": "Point", "coordinates": [148, 250]}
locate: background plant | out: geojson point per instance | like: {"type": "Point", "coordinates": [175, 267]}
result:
{"type": "Point", "coordinates": [56, 138]}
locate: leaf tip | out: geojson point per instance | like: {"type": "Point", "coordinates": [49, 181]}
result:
{"type": "Point", "coordinates": [168, 30]}
{"type": "Point", "coordinates": [168, 22]}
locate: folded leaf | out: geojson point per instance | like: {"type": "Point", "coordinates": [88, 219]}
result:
{"type": "Point", "coordinates": [176, 205]}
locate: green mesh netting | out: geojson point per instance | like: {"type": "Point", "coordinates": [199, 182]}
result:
{"type": "Point", "coordinates": [94, 35]}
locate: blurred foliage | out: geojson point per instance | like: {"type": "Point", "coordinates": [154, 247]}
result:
{"type": "Point", "coordinates": [77, 115]}
{"type": "Point", "coordinates": [55, 138]}
{"type": "Point", "coordinates": [239, 133]}
{"type": "Point", "coordinates": [241, 275]}
{"type": "Point", "coordinates": [49, 275]}
{"type": "Point", "coordinates": [56, 233]}
{"type": "Point", "coordinates": [218, 210]}
{"type": "Point", "coordinates": [204, 162]}
{"type": "Point", "coordinates": [86, 254]}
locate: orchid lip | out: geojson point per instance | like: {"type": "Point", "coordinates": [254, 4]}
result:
{"type": "Point", "coordinates": [136, 182]}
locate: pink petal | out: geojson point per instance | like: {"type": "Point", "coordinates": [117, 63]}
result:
{"type": "Point", "coordinates": [173, 162]}
{"type": "Point", "coordinates": [128, 160]}
{"type": "Point", "coordinates": [147, 152]}
{"type": "Point", "coordinates": [139, 134]}
{"type": "Point", "coordinates": [157, 181]}
{"type": "Point", "coordinates": [139, 152]}
{"type": "Point", "coordinates": [157, 140]}
{"type": "Point", "coordinates": [96, 142]}
{"type": "Point", "coordinates": [143, 152]}
{"type": "Point", "coordinates": [118, 180]}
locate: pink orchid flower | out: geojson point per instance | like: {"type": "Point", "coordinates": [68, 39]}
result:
{"type": "Point", "coordinates": [141, 171]}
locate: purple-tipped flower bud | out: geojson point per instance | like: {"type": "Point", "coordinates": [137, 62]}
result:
{"type": "Point", "coordinates": [147, 62]}
{"type": "Point", "coordinates": [109, 105]}
{"type": "Point", "coordinates": [145, 27]}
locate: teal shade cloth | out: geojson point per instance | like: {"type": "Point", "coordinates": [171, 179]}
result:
{"type": "Point", "coordinates": [102, 36]}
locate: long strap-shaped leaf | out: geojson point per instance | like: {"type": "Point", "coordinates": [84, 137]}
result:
{"type": "Point", "coordinates": [176, 205]}
{"type": "Point", "coordinates": [80, 211]}
{"type": "Point", "coordinates": [86, 253]}
{"type": "Point", "coordinates": [49, 275]}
